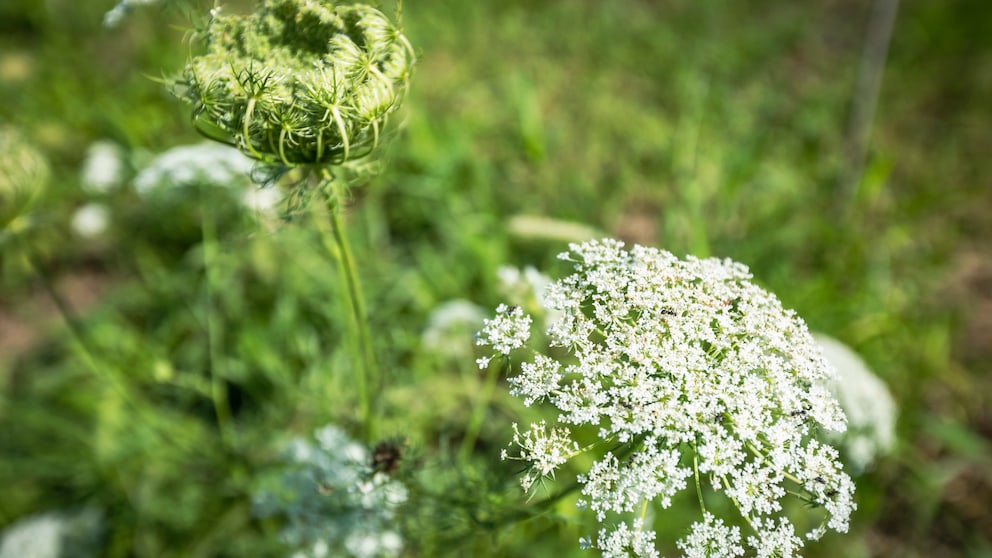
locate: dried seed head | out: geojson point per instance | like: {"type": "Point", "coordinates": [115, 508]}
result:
{"type": "Point", "coordinates": [298, 82]}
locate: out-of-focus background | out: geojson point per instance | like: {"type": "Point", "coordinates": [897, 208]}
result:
{"type": "Point", "coordinates": [840, 148]}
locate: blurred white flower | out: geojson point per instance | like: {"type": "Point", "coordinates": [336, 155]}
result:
{"type": "Point", "coordinates": [208, 162]}
{"type": "Point", "coordinates": [527, 288]}
{"type": "Point", "coordinates": [871, 410]}
{"type": "Point", "coordinates": [90, 220]}
{"type": "Point", "coordinates": [103, 168]}
{"type": "Point", "coordinates": [116, 14]}
{"type": "Point", "coordinates": [38, 536]}
{"type": "Point", "coordinates": [522, 286]}
{"type": "Point", "coordinates": [262, 201]}
{"type": "Point", "coordinates": [335, 502]}
{"type": "Point", "coordinates": [451, 326]}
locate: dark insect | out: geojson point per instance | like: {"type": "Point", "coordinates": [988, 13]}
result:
{"type": "Point", "coordinates": [668, 312]}
{"type": "Point", "coordinates": [386, 457]}
{"type": "Point", "coordinates": [511, 310]}
{"type": "Point", "coordinates": [801, 413]}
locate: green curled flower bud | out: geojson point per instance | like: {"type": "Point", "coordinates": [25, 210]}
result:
{"type": "Point", "coordinates": [298, 82]}
{"type": "Point", "coordinates": [23, 175]}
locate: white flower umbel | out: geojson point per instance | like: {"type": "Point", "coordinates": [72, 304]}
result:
{"type": "Point", "coordinates": [871, 410]}
{"type": "Point", "coordinates": [509, 330]}
{"type": "Point", "coordinates": [710, 538]}
{"type": "Point", "coordinates": [624, 541]}
{"type": "Point", "coordinates": [334, 501]}
{"type": "Point", "coordinates": [692, 376]}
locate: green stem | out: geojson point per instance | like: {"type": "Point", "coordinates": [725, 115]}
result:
{"type": "Point", "coordinates": [479, 412]}
{"type": "Point", "coordinates": [215, 333]}
{"type": "Point", "coordinates": [367, 372]}
{"type": "Point", "coordinates": [695, 471]}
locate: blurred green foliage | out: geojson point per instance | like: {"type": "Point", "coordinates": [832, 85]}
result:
{"type": "Point", "coordinates": [711, 128]}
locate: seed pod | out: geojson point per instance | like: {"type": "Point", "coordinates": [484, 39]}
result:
{"type": "Point", "coordinates": [298, 82]}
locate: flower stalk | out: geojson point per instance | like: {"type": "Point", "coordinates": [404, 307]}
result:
{"type": "Point", "coordinates": [367, 376]}
{"type": "Point", "coordinates": [308, 85]}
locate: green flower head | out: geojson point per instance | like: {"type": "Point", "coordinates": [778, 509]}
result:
{"type": "Point", "coordinates": [23, 175]}
{"type": "Point", "coordinates": [298, 82]}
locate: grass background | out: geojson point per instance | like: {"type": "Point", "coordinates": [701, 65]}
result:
{"type": "Point", "coordinates": [711, 128]}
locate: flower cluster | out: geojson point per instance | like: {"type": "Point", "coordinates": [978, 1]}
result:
{"type": "Point", "coordinates": [686, 370]}
{"type": "Point", "coordinates": [334, 500]}
{"type": "Point", "coordinates": [298, 82]}
{"type": "Point", "coordinates": [509, 330]}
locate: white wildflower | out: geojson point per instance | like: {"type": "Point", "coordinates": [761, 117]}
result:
{"type": "Point", "coordinates": [509, 330]}
{"type": "Point", "coordinates": [776, 540]}
{"type": "Point", "coordinates": [103, 167]}
{"type": "Point", "coordinates": [536, 379]}
{"type": "Point", "coordinates": [756, 489]}
{"type": "Point", "coordinates": [710, 538]}
{"type": "Point", "coordinates": [624, 542]}
{"type": "Point", "coordinates": [680, 365]}
{"type": "Point", "coordinates": [90, 220]}
{"type": "Point", "coordinates": [651, 474]}
{"type": "Point", "coordinates": [546, 449]}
